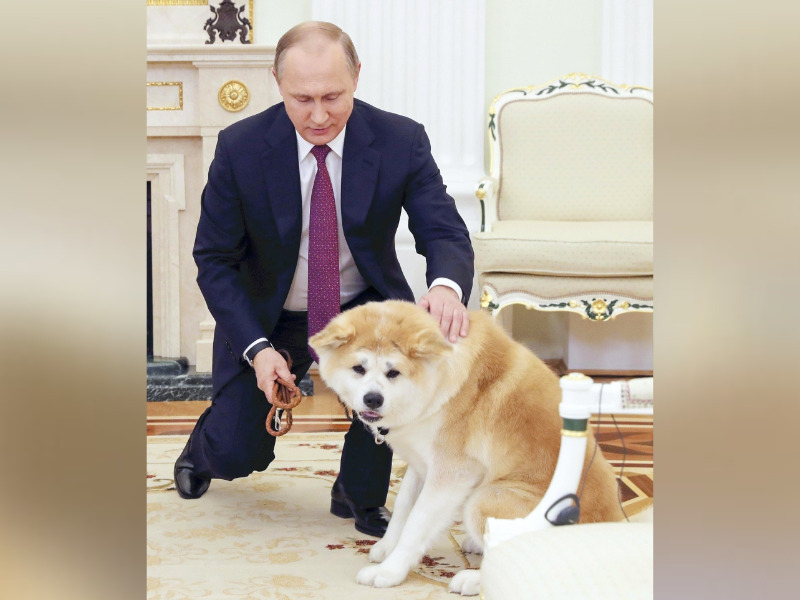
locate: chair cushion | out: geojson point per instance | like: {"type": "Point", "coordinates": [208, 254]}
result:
{"type": "Point", "coordinates": [547, 288]}
{"type": "Point", "coordinates": [577, 562]}
{"type": "Point", "coordinates": [567, 248]}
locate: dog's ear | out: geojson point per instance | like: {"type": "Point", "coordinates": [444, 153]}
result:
{"type": "Point", "coordinates": [427, 343]}
{"type": "Point", "coordinates": [336, 334]}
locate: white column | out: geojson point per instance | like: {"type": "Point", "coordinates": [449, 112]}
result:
{"type": "Point", "coordinates": [168, 197]}
{"type": "Point", "coordinates": [204, 345]}
{"type": "Point", "coordinates": [424, 59]}
{"type": "Point", "coordinates": [628, 41]}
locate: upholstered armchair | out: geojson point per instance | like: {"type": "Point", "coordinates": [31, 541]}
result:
{"type": "Point", "coordinates": [567, 211]}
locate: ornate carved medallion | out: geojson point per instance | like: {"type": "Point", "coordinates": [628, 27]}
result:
{"type": "Point", "coordinates": [226, 22]}
{"type": "Point", "coordinates": [234, 96]}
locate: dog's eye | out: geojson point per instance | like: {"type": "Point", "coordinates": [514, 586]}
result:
{"type": "Point", "coordinates": [359, 369]}
{"type": "Point", "coordinates": [392, 374]}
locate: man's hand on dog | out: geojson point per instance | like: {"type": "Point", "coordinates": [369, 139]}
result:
{"type": "Point", "coordinates": [445, 306]}
{"type": "Point", "coordinates": [269, 365]}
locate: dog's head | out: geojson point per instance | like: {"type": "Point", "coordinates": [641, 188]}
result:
{"type": "Point", "coordinates": [382, 359]}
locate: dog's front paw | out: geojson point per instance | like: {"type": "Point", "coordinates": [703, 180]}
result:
{"type": "Point", "coordinates": [380, 576]}
{"type": "Point", "coordinates": [466, 582]}
{"type": "Point", "coordinates": [380, 550]}
{"type": "Point", "coordinates": [472, 546]}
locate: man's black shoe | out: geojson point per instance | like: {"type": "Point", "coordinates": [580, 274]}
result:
{"type": "Point", "coordinates": [187, 482]}
{"type": "Point", "coordinates": [372, 521]}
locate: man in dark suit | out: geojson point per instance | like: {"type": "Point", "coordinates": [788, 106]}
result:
{"type": "Point", "coordinates": [263, 240]}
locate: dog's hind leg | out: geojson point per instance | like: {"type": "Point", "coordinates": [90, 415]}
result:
{"type": "Point", "coordinates": [466, 583]}
{"type": "Point", "coordinates": [501, 499]}
{"type": "Point", "coordinates": [505, 499]}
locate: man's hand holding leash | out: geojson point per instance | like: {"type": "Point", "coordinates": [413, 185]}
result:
{"type": "Point", "coordinates": [269, 365]}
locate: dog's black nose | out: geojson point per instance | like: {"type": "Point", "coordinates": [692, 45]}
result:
{"type": "Point", "coordinates": [373, 400]}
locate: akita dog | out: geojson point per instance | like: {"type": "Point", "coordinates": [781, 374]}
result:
{"type": "Point", "coordinates": [477, 422]}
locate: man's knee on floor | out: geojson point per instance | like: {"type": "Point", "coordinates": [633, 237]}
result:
{"type": "Point", "coordinates": [231, 463]}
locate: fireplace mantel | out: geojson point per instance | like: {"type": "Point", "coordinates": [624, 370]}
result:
{"type": "Point", "coordinates": [185, 85]}
{"type": "Point", "coordinates": [191, 53]}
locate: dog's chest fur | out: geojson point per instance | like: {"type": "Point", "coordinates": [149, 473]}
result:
{"type": "Point", "coordinates": [416, 443]}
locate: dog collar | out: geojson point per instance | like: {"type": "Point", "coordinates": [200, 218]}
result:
{"type": "Point", "coordinates": [379, 437]}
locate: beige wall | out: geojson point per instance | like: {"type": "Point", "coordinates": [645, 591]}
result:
{"type": "Point", "coordinates": [533, 41]}
{"type": "Point", "coordinates": [273, 17]}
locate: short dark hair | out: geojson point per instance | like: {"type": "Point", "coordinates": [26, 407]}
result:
{"type": "Point", "coordinates": [300, 32]}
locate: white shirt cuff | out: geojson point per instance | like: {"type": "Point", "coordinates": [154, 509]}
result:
{"type": "Point", "coordinates": [448, 283]}
{"type": "Point", "coordinates": [244, 354]}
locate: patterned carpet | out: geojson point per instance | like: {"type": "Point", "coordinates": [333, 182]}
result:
{"type": "Point", "coordinates": [271, 535]}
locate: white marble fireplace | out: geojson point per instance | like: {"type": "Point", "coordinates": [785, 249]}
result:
{"type": "Point", "coordinates": [192, 93]}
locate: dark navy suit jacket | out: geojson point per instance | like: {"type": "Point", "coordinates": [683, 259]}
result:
{"type": "Point", "coordinates": [248, 236]}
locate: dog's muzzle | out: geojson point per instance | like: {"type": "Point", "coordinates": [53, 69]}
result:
{"type": "Point", "coordinates": [373, 401]}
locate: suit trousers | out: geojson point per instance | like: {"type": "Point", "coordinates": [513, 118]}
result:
{"type": "Point", "coordinates": [230, 439]}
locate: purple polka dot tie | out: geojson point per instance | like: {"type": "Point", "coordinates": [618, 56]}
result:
{"type": "Point", "coordinates": [323, 250]}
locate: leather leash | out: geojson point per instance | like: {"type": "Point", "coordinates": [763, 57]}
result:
{"type": "Point", "coordinates": [285, 396]}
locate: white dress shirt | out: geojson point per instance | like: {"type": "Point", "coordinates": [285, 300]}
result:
{"type": "Point", "coordinates": [351, 283]}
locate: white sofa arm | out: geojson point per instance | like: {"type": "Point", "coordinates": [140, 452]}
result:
{"type": "Point", "coordinates": [487, 195]}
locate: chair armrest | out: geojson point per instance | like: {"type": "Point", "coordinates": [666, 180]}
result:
{"type": "Point", "coordinates": [486, 193]}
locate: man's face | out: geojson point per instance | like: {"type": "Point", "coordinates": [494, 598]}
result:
{"type": "Point", "coordinates": [317, 89]}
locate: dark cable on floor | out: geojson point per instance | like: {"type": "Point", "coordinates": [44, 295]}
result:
{"type": "Point", "coordinates": [596, 443]}
{"type": "Point", "coordinates": [622, 469]}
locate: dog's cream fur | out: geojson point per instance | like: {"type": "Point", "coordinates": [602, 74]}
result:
{"type": "Point", "coordinates": [476, 421]}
